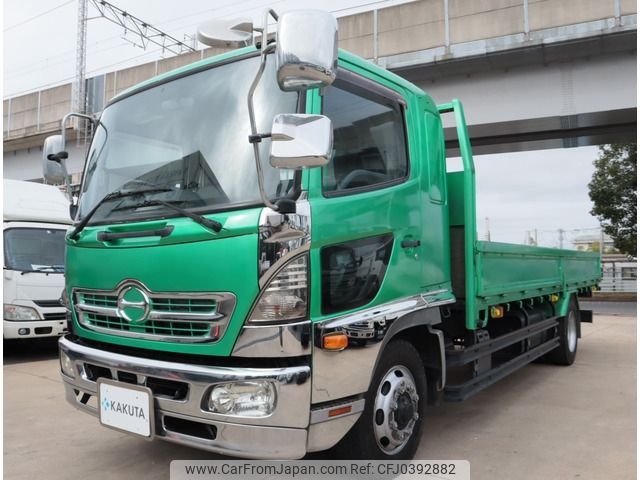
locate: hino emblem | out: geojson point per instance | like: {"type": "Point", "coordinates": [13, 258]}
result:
{"type": "Point", "coordinates": [133, 304]}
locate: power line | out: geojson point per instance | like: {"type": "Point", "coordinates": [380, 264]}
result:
{"type": "Point", "coordinates": [38, 15]}
{"type": "Point", "coordinates": [168, 21]}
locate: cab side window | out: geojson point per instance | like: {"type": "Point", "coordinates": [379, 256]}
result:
{"type": "Point", "coordinates": [368, 140]}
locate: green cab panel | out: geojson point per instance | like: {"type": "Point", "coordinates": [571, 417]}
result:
{"type": "Point", "coordinates": [191, 259]}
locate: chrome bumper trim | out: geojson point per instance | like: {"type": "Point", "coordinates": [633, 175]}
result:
{"type": "Point", "coordinates": [293, 384]}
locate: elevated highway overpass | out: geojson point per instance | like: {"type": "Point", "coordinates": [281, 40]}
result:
{"type": "Point", "coordinates": [532, 74]}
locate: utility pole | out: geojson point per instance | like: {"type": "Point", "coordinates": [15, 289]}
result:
{"type": "Point", "coordinates": [601, 241]}
{"type": "Point", "coordinates": [561, 237]}
{"type": "Point", "coordinates": [535, 236]}
{"type": "Point", "coordinates": [488, 229]}
{"type": "Point", "coordinates": [79, 90]}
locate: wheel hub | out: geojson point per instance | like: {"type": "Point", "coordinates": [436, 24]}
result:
{"type": "Point", "coordinates": [404, 412]}
{"type": "Point", "coordinates": [395, 410]}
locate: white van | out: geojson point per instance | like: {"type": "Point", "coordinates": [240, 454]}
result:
{"type": "Point", "coordinates": [36, 218]}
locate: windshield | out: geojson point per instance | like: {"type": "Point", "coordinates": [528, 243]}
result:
{"type": "Point", "coordinates": [28, 249]}
{"type": "Point", "coordinates": [189, 135]}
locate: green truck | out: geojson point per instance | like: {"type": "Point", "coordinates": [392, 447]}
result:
{"type": "Point", "coordinates": [321, 299]}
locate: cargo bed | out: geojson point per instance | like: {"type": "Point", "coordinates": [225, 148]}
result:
{"type": "Point", "coordinates": [501, 272]}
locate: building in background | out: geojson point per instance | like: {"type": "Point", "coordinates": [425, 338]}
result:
{"type": "Point", "coordinates": [530, 74]}
{"type": "Point", "coordinates": [619, 273]}
{"type": "Point", "coordinates": [591, 243]}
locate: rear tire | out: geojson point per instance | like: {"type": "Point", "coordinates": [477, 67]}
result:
{"type": "Point", "coordinates": [391, 425]}
{"type": "Point", "coordinates": [565, 353]}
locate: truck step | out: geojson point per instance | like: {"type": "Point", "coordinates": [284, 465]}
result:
{"type": "Point", "coordinates": [457, 393]}
{"type": "Point", "coordinates": [474, 352]}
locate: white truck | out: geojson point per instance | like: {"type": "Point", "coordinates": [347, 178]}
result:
{"type": "Point", "coordinates": [35, 219]}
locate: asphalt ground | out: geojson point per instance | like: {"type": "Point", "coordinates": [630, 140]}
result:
{"type": "Point", "coordinates": [543, 422]}
{"type": "Point", "coordinates": [610, 308]}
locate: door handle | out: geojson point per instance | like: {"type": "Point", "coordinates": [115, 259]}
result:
{"type": "Point", "coordinates": [410, 243]}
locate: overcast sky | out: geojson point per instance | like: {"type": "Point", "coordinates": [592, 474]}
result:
{"type": "Point", "coordinates": [544, 190]}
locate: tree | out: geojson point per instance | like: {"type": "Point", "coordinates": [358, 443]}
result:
{"type": "Point", "coordinates": [614, 195]}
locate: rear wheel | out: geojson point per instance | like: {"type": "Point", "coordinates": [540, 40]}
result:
{"type": "Point", "coordinates": [565, 353]}
{"type": "Point", "coordinates": [391, 425]}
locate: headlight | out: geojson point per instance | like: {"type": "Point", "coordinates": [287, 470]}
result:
{"type": "Point", "coordinates": [16, 312]}
{"type": "Point", "coordinates": [64, 299]}
{"type": "Point", "coordinates": [245, 399]}
{"type": "Point", "coordinates": [285, 298]}
{"type": "Point", "coordinates": [66, 364]}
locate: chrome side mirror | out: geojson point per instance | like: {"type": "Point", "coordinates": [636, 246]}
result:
{"type": "Point", "coordinates": [300, 141]}
{"type": "Point", "coordinates": [54, 160]}
{"type": "Point", "coordinates": [306, 50]}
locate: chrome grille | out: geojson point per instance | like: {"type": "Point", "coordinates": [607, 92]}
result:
{"type": "Point", "coordinates": [171, 317]}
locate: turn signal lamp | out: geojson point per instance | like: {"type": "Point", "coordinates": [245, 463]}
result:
{"type": "Point", "coordinates": [335, 341]}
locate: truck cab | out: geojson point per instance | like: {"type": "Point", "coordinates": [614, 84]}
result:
{"type": "Point", "coordinates": [35, 221]}
{"type": "Point", "coordinates": [295, 277]}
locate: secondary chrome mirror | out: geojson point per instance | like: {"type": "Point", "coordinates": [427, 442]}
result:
{"type": "Point", "coordinates": [53, 160]}
{"type": "Point", "coordinates": [234, 33]}
{"type": "Point", "coordinates": [300, 141]}
{"type": "Point", "coordinates": [306, 50]}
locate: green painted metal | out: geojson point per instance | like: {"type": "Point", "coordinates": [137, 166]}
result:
{"type": "Point", "coordinates": [500, 273]}
{"type": "Point", "coordinates": [196, 260]}
{"type": "Point", "coordinates": [469, 209]}
{"type": "Point", "coordinates": [193, 259]}
{"type": "Point", "coordinates": [507, 272]}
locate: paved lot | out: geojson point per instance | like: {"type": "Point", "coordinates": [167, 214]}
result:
{"type": "Point", "coordinates": [548, 422]}
{"type": "Point", "coordinates": [610, 308]}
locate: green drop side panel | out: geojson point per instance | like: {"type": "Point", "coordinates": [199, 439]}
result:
{"type": "Point", "coordinates": [507, 272]}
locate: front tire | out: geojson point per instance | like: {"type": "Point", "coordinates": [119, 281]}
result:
{"type": "Point", "coordinates": [565, 353]}
{"type": "Point", "coordinates": [391, 425]}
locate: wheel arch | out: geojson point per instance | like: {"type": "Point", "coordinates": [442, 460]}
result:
{"type": "Point", "coordinates": [417, 329]}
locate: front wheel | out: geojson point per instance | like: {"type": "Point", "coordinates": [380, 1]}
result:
{"type": "Point", "coordinates": [391, 425]}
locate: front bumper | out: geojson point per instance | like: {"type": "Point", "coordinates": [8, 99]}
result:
{"type": "Point", "coordinates": [36, 328]}
{"type": "Point", "coordinates": [179, 390]}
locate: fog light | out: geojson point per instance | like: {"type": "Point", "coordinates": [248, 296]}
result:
{"type": "Point", "coordinates": [66, 365]}
{"type": "Point", "coordinates": [244, 399]}
{"type": "Point", "coordinates": [23, 331]}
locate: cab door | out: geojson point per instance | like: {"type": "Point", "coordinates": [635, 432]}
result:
{"type": "Point", "coordinates": [366, 203]}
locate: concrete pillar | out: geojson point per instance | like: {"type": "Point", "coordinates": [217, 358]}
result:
{"type": "Point", "coordinates": [375, 35]}
{"type": "Point", "coordinates": [38, 113]}
{"type": "Point", "coordinates": [447, 35]}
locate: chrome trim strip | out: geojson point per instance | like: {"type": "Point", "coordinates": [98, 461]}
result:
{"type": "Point", "coordinates": [292, 384]}
{"type": "Point", "coordinates": [153, 336]}
{"type": "Point", "coordinates": [393, 309]}
{"type": "Point", "coordinates": [322, 414]}
{"type": "Point", "coordinates": [113, 312]}
{"type": "Point", "coordinates": [334, 375]}
{"type": "Point", "coordinates": [288, 340]}
{"type": "Point", "coordinates": [198, 317]}
{"type": "Point", "coordinates": [443, 361]}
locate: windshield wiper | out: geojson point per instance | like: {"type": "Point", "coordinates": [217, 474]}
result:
{"type": "Point", "coordinates": [45, 269]}
{"type": "Point", "coordinates": [205, 222]}
{"type": "Point", "coordinates": [112, 196]}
